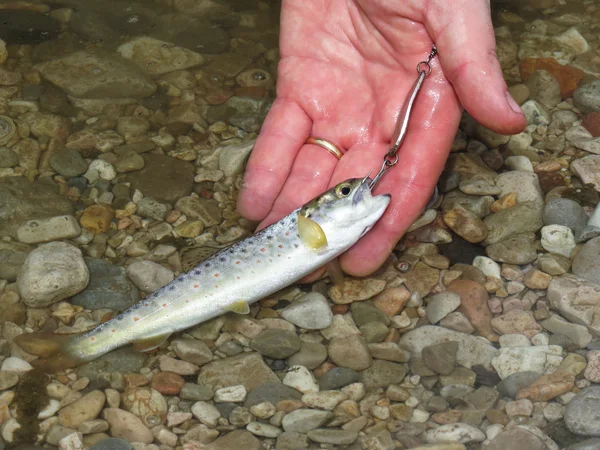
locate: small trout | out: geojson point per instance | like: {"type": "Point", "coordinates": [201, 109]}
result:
{"type": "Point", "coordinates": [228, 281]}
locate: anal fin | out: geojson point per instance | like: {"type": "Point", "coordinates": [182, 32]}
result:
{"type": "Point", "coordinates": [150, 343]}
{"type": "Point", "coordinates": [239, 307]}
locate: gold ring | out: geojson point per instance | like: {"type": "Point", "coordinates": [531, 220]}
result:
{"type": "Point", "coordinates": [331, 148]}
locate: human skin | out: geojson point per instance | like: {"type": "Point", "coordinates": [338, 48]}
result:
{"type": "Point", "coordinates": [345, 70]}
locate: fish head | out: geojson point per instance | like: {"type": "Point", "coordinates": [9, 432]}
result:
{"type": "Point", "coordinates": [347, 211]}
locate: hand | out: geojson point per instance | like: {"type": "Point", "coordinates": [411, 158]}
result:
{"type": "Point", "coordinates": [346, 67]}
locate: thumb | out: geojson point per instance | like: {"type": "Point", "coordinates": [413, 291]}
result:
{"type": "Point", "coordinates": [464, 36]}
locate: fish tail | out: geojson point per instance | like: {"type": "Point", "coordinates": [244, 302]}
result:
{"type": "Point", "coordinates": [56, 351]}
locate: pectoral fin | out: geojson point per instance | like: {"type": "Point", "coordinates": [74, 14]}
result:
{"type": "Point", "coordinates": [239, 307]}
{"type": "Point", "coordinates": [148, 344]}
{"type": "Point", "coordinates": [311, 233]}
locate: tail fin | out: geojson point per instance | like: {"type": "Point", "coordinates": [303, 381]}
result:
{"type": "Point", "coordinates": [55, 350]}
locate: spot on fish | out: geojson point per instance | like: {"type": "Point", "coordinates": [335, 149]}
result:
{"type": "Point", "coordinates": [172, 288]}
{"type": "Point", "coordinates": [222, 259]}
{"type": "Point", "coordinates": [92, 339]}
{"type": "Point", "coordinates": [113, 331]}
{"type": "Point", "coordinates": [187, 301]}
{"type": "Point", "coordinates": [258, 261]}
{"type": "Point", "coordinates": [164, 305]}
{"type": "Point", "coordinates": [269, 237]}
{"type": "Point", "coordinates": [278, 255]}
{"type": "Point", "coordinates": [238, 278]}
{"type": "Point", "coordinates": [195, 286]}
{"type": "Point", "coordinates": [262, 249]}
{"type": "Point", "coordinates": [146, 305]}
{"type": "Point", "coordinates": [280, 246]}
{"type": "Point", "coordinates": [237, 262]}
{"type": "Point", "coordinates": [216, 275]}
{"type": "Point", "coordinates": [135, 319]}
{"type": "Point", "coordinates": [287, 233]}
{"type": "Point", "coordinates": [196, 272]}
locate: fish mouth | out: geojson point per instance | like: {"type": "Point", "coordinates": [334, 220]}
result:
{"type": "Point", "coordinates": [364, 195]}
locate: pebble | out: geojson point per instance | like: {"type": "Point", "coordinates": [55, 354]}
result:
{"type": "Point", "coordinates": [51, 273]}
{"type": "Point", "coordinates": [304, 420]}
{"type": "Point", "coordinates": [112, 444]}
{"type": "Point", "coordinates": [519, 249]}
{"type": "Point", "coordinates": [355, 290]}
{"type": "Point", "coordinates": [588, 170]}
{"type": "Point", "coordinates": [558, 239]}
{"type": "Point", "coordinates": [440, 305]}
{"type": "Point", "coordinates": [586, 263]}
{"type": "Point", "coordinates": [337, 378]}
{"type": "Point", "coordinates": [441, 358]}
{"type": "Point", "coordinates": [578, 334]}
{"type": "Point", "coordinates": [326, 400]}
{"type": "Point", "coordinates": [311, 355]}
{"type": "Point", "coordinates": [50, 229]}
{"type": "Point", "coordinates": [301, 379]}
{"type": "Point", "coordinates": [232, 394]}
{"type": "Point", "coordinates": [100, 170]}
{"type": "Point", "coordinates": [524, 217]}
{"type": "Point", "coordinates": [575, 299]}
{"type": "Point", "coordinates": [457, 432]}
{"type": "Point", "coordinates": [351, 352]}
{"type": "Point", "coordinates": [87, 407]}
{"type": "Point", "coordinates": [167, 383]}
{"type": "Point", "coordinates": [127, 426]}
{"type": "Point", "coordinates": [580, 415]}
{"type": "Point", "coordinates": [276, 343]}
{"type": "Point", "coordinates": [548, 387]}
{"type": "Point", "coordinates": [333, 437]}
{"type": "Point", "coordinates": [149, 276]}
{"type": "Point", "coordinates": [566, 212]}
{"type": "Point", "coordinates": [169, 364]}
{"type": "Point", "coordinates": [542, 358]}
{"type": "Point", "coordinates": [263, 429]}
{"type": "Point", "coordinates": [206, 413]}
{"type": "Point", "coordinates": [474, 305]}
{"type": "Point", "coordinates": [520, 438]}
{"type": "Point", "coordinates": [310, 311]}
{"type": "Point", "coordinates": [192, 350]}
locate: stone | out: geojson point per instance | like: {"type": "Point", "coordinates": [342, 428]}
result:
{"type": "Point", "coordinates": [382, 373]}
{"type": "Point", "coordinates": [232, 158]}
{"type": "Point", "coordinates": [512, 384]}
{"type": "Point", "coordinates": [205, 210]}
{"type": "Point", "coordinates": [566, 212]}
{"type": "Point", "coordinates": [337, 378]}
{"type": "Point", "coordinates": [519, 249]}
{"type": "Point", "coordinates": [391, 301]}
{"type": "Point", "coordinates": [465, 224]}
{"type": "Point", "coordinates": [544, 88]}
{"type": "Point", "coordinates": [548, 387]}
{"type": "Point", "coordinates": [271, 392]}
{"type": "Point", "coordinates": [52, 272]}
{"type": "Point", "coordinates": [305, 420]}
{"type": "Point", "coordinates": [100, 170]}
{"type": "Point", "coordinates": [111, 444]}
{"type": "Point", "coordinates": [586, 262]}
{"type": "Point", "coordinates": [350, 352]}
{"type": "Point", "coordinates": [474, 305]}
{"type": "Point", "coordinates": [192, 350]}
{"type": "Point", "coordinates": [206, 413]}
{"type": "Point", "coordinates": [97, 218]}
{"type": "Point", "coordinates": [275, 343]}
{"type": "Point", "coordinates": [457, 432]}
{"type": "Point", "coordinates": [535, 279]}
{"type": "Point", "coordinates": [21, 201]}
{"type": "Point", "coordinates": [525, 184]}
{"type": "Point", "coordinates": [157, 57]}
{"type": "Point", "coordinates": [516, 322]}
{"type": "Point", "coordinates": [127, 426]}
{"type": "Point", "coordinates": [541, 358]}
{"type": "Point", "coordinates": [389, 351]}
{"type": "Point", "coordinates": [333, 437]}
{"type": "Point", "coordinates": [50, 229]}
{"type": "Point", "coordinates": [310, 311]}
{"type": "Point", "coordinates": [441, 358]}
{"type": "Point", "coordinates": [575, 299]}
{"type": "Point", "coordinates": [440, 305]}
{"type": "Point", "coordinates": [195, 392]}
{"type": "Point", "coordinates": [592, 371]}
{"type": "Point", "coordinates": [123, 360]}
{"type": "Point", "coordinates": [326, 400]}
{"type": "Point", "coordinates": [364, 313]}
{"type": "Point", "coordinates": [558, 239]}
{"type": "Point", "coordinates": [301, 379]}
{"type": "Point", "coordinates": [149, 276]}
{"type": "Point", "coordinates": [587, 97]}
{"type": "Point", "coordinates": [163, 178]}
{"type": "Point", "coordinates": [68, 162]}
{"type": "Point", "coordinates": [97, 75]}
{"type": "Point", "coordinates": [472, 350]}
{"type": "Point", "coordinates": [588, 170]}
{"type": "Point", "coordinates": [356, 290]}
{"type": "Point", "coordinates": [582, 410]}
{"type": "Point", "coordinates": [578, 334]}
{"type": "Point", "coordinates": [167, 383]}
{"type": "Point", "coordinates": [108, 287]}
{"type": "Point", "coordinates": [85, 408]}
{"type": "Point", "coordinates": [519, 438]}
{"type": "Point", "coordinates": [311, 355]}
{"type": "Point", "coordinates": [247, 369]}
{"type": "Point", "coordinates": [525, 217]}
{"type": "Point", "coordinates": [169, 364]}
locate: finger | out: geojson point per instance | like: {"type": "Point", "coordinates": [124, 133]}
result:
{"type": "Point", "coordinates": [283, 133]}
{"type": "Point", "coordinates": [412, 180]}
{"type": "Point", "coordinates": [309, 177]}
{"type": "Point", "coordinates": [464, 36]}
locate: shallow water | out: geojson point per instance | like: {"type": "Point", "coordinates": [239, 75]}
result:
{"type": "Point", "coordinates": [124, 128]}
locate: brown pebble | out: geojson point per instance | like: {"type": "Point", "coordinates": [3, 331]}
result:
{"type": "Point", "coordinates": [324, 368]}
{"type": "Point", "coordinates": [392, 300]}
{"type": "Point", "coordinates": [496, 416]}
{"type": "Point", "coordinates": [133, 380]}
{"type": "Point", "coordinates": [446, 417]}
{"type": "Point", "coordinates": [551, 165]}
{"type": "Point", "coordinates": [339, 309]}
{"type": "Point", "coordinates": [97, 218]}
{"type": "Point", "coordinates": [506, 201]}
{"type": "Point", "coordinates": [547, 387]}
{"type": "Point", "coordinates": [289, 405]}
{"type": "Point", "coordinates": [474, 304]}
{"type": "Point", "coordinates": [167, 383]}
{"type": "Point", "coordinates": [536, 279]}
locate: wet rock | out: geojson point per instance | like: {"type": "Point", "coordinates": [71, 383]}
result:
{"type": "Point", "coordinates": [205, 210]}
{"type": "Point", "coordinates": [247, 369]}
{"type": "Point", "coordinates": [522, 218]}
{"type": "Point", "coordinates": [576, 300]}
{"type": "Point", "coordinates": [192, 350]}
{"type": "Point", "coordinates": [516, 322]}
{"type": "Point", "coordinates": [97, 75]}
{"type": "Point", "coordinates": [20, 26]}
{"type": "Point", "coordinates": [350, 352]}
{"type": "Point", "coordinates": [548, 387]}
{"type": "Point", "coordinates": [441, 358]}
{"type": "Point", "coordinates": [525, 184]}
{"type": "Point", "coordinates": [471, 350]}
{"type": "Point", "coordinates": [474, 304]}
{"type": "Point", "coordinates": [232, 158]}
{"type": "Point", "coordinates": [519, 249]}
{"type": "Point", "coordinates": [578, 334]}
{"type": "Point", "coordinates": [246, 113]}
{"type": "Point", "coordinates": [582, 411]}
{"type": "Point", "coordinates": [51, 273]}
{"type": "Point", "coordinates": [311, 355]}
{"type": "Point", "coordinates": [97, 218]}
{"type": "Point", "coordinates": [440, 305]}
{"type": "Point", "coordinates": [86, 408]}
{"type": "Point", "coordinates": [588, 169]}
{"type": "Point", "coordinates": [193, 31]}
{"type": "Point", "coordinates": [108, 287]}
{"type": "Point", "coordinates": [587, 97]}
{"type": "Point", "coordinates": [163, 178]}
{"type": "Point", "coordinates": [124, 360]}
{"type": "Point", "coordinates": [541, 358]}
{"type": "Point", "coordinates": [51, 229]}
{"type": "Point", "coordinates": [127, 426]}
{"type": "Point", "coordinates": [465, 224]}
{"type": "Point", "coordinates": [111, 444]}
{"type": "Point", "coordinates": [460, 432]}
{"type": "Point", "coordinates": [311, 312]}
{"type": "Point", "coordinates": [195, 392]}
{"type": "Point", "coordinates": [157, 57]}
{"type": "Point", "coordinates": [68, 163]}
{"type": "Point", "coordinates": [271, 392]}
{"type": "Point", "coordinates": [544, 88]}
{"type": "Point", "coordinates": [356, 290]}
{"type": "Point", "coordinates": [558, 239]}
{"type": "Point", "coordinates": [586, 264]}
{"type": "Point", "coordinates": [382, 373]}
{"type": "Point", "coordinates": [304, 420]}
{"type": "Point", "coordinates": [566, 212]}
{"type": "Point", "coordinates": [21, 201]}
{"type": "Point", "coordinates": [521, 438]}
{"type": "Point", "coordinates": [337, 378]}
{"type": "Point", "coordinates": [276, 344]}
{"type": "Point", "coordinates": [512, 384]}
{"type": "Point", "coordinates": [149, 276]}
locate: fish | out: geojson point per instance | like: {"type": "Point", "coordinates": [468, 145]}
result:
{"type": "Point", "coordinates": [228, 281]}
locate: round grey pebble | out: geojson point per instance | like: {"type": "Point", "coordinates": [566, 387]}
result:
{"type": "Point", "coordinates": [517, 381]}
{"type": "Point", "coordinates": [276, 344]}
{"type": "Point", "coordinates": [311, 312]}
{"type": "Point", "coordinates": [337, 378]}
{"type": "Point", "coordinates": [587, 97]}
{"type": "Point", "coordinates": [588, 444]}
{"type": "Point", "coordinates": [68, 162]}
{"type": "Point", "coordinates": [112, 444]}
{"type": "Point", "coordinates": [583, 412]}
{"type": "Point", "coordinates": [564, 211]}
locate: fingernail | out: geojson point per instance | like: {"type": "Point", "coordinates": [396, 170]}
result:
{"type": "Point", "coordinates": [513, 104]}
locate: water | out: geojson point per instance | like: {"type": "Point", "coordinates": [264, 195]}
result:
{"type": "Point", "coordinates": [148, 90]}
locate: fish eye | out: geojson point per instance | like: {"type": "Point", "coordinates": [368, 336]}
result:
{"type": "Point", "coordinates": [343, 190]}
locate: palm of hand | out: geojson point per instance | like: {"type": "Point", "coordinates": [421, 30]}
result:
{"type": "Point", "coordinates": [343, 76]}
